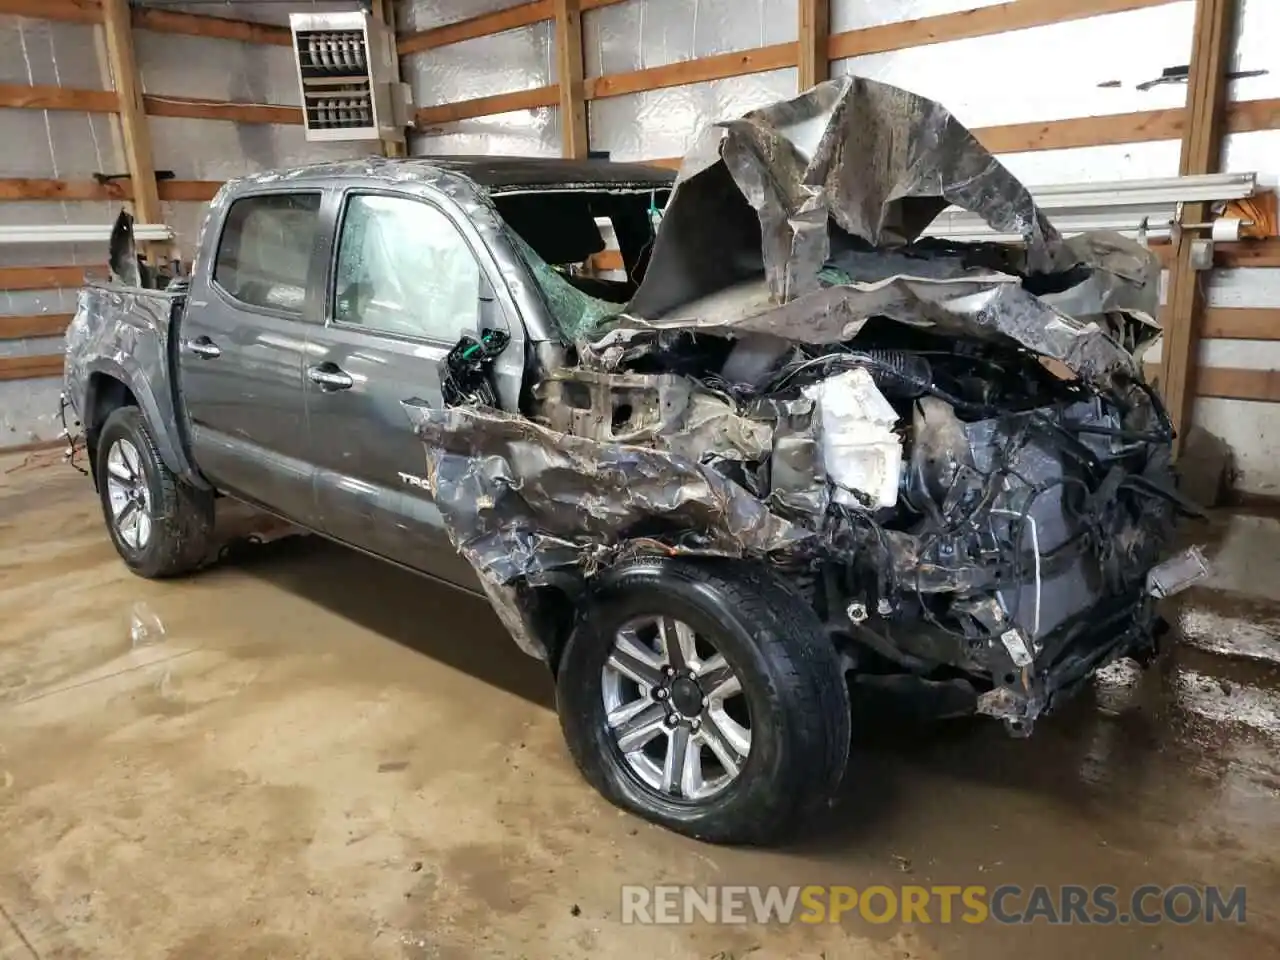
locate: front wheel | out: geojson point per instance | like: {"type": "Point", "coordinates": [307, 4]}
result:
{"type": "Point", "coordinates": [704, 696]}
{"type": "Point", "coordinates": [161, 526]}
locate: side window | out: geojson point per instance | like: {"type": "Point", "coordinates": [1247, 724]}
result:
{"type": "Point", "coordinates": [265, 249]}
{"type": "Point", "coordinates": [403, 268]}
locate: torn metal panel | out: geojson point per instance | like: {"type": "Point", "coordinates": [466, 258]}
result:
{"type": "Point", "coordinates": [878, 162]}
{"type": "Point", "coordinates": [826, 195]}
{"type": "Point", "coordinates": [520, 499]}
{"type": "Point", "coordinates": [981, 304]}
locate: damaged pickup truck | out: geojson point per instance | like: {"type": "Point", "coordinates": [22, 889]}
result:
{"type": "Point", "coordinates": [798, 447]}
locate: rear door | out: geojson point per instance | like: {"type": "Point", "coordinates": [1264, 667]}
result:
{"type": "Point", "coordinates": [409, 277]}
{"type": "Point", "coordinates": [243, 350]}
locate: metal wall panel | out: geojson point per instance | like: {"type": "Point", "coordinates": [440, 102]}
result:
{"type": "Point", "coordinates": [528, 133]}
{"type": "Point", "coordinates": [222, 149]}
{"type": "Point", "coordinates": [641, 34]}
{"type": "Point", "coordinates": [663, 123]}
{"type": "Point", "coordinates": [502, 63]}
{"type": "Point", "coordinates": [1124, 161]}
{"type": "Point", "coordinates": [856, 14]}
{"type": "Point", "coordinates": [1258, 151]}
{"type": "Point", "coordinates": [987, 81]}
{"type": "Point", "coordinates": [415, 15]}
{"type": "Point", "coordinates": [520, 59]}
{"type": "Point", "coordinates": [649, 33]}
{"type": "Point", "coordinates": [1257, 31]}
{"type": "Point", "coordinates": [52, 143]}
{"type": "Point", "coordinates": [29, 411]}
{"type": "Point", "coordinates": [206, 67]}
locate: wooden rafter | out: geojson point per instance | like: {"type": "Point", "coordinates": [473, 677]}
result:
{"type": "Point", "coordinates": [37, 325]}
{"type": "Point", "coordinates": [736, 64]}
{"type": "Point", "coordinates": [26, 188]}
{"type": "Point", "coordinates": [41, 278]}
{"type": "Point", "coordinates": [192, 108]}
{"type": "Point", "coordinates": [150, 18]}
{"type": "Point", "coordinates": [134, 130]}
{"type": "Point", "coordinates": [30, 368]}
{"type": "Point", "coordinates": [815, 26]}
{"type": "Point", "coordinates": [488, 106]}
{"type": "Point", "coordinates": [1201, 153]}
{"type": "Point", "coordinates": [569, 73]}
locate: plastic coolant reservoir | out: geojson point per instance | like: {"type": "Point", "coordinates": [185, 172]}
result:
{"type": "Point", "coordinates": [860, 451]}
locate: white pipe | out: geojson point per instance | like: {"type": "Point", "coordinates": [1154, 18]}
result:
{"type": "Point", "coordinates": [73, 233]}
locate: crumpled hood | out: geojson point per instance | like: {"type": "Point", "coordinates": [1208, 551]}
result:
{"type": "Point", "coordinates": [786, 221]}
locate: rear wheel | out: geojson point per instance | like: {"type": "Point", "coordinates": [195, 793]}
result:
{"type": "Point", "coordinates": [704, 696]}
{"type": "Point", "coordinates": [160, 526]}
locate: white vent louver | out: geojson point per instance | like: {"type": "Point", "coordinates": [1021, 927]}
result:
{"type": "Point", "coordinates": [346, 68]}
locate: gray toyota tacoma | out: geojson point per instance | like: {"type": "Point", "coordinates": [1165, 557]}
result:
{"type": "Point", "coordinates": [797, 447]}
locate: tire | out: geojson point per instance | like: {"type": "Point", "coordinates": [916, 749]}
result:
{"type": "Point", "coordinates": [790, 678]}
{"type": "Point", "coordinates": [180, 517]}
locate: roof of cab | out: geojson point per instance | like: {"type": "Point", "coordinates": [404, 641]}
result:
{"type": "Point", "coordinates": [491, 174]}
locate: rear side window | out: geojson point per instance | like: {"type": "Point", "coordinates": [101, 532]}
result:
{"type": "Point", "coordinates": [265, 249]}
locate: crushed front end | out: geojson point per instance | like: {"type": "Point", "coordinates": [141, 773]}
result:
{"type": "Point", "coordinates": [949, 449]}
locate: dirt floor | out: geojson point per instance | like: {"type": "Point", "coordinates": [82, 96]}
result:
{"type": "Point", "coordinates": [310, 754]}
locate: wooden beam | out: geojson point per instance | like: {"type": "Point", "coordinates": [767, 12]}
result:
{"type": "Point", "coordinates": [482, 26]}
{"type": "Point", "coordinates": [736, 64]}
{"type": "Point", "coordinates": [1002, 17]}
{"type": "Point", "coordinates": [38, 325]}
{"type": "Point", "coordinates": [158, 106]}
{"type": "Point", "coordinates": [384, 12]}
{"type": "Point", "coordinates": [199, 25]}
{"type": "Point", "coordinates": [193, 191]}
{"type": "Point", "coordinates": [153, 19]}
{"type": "Point", "coordinates": [1232, 384]}
{"type": "Point", "coordinates": [1249, 253]}
{"type": "Point", "coordinates": [19, 188]}
{"type": "Point", "coordinates": [1245, 253]}
{"type": "Point", "coordinates": [488, 106]}
{"type": "Point", "coordinates": [41, 278]}
{"type": "Point", "coordinates": [39, 97]}
{"type": "Point", "coordinates": [65, 11]}
{"type": "Point", "coordinates": [136, 133]}
{"type": "Point", "coordinates": [1083, 131]}
{"type": "Point", "coordinates": [30, 368]}
{"type": "Point", "coordinates": [1241, 323]}
{"type": "Point", "coordinates": [573, 105]}
{"type": "Point", "coordinates": [1201, 153]}
{"type": "Point", "coordinates": [815, 28]}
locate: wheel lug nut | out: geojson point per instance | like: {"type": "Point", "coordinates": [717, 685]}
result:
{"type": "Point", "coordinates": [660, 693]}
{"type": "Point", "coordinates": [672, 720]}
{"type": "Point", "coordinates": [705, 701]}
{"type": "Point", "coordinates": [669, 671]}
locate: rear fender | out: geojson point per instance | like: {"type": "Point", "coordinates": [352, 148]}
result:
{"type": "Point", "coordinates": [141, 376]}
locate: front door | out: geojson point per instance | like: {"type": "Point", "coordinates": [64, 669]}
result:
{"type": "Point", "coordinates": [408, 280]}
{"type": "Point", "coordinates": [243, 350]}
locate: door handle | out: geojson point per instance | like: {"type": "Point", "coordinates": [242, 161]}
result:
{"type": "Point", "coordinates": [330, 377]}
{"type": "Point", "coordinates": [204, 348]}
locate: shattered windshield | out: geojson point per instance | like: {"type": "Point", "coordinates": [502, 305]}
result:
{"type": "Point", "coordinates": [576, 314]}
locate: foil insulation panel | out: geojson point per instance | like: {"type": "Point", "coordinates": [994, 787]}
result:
{"type": "Point", "coordinates": [664, 123]}
{"type": "Point", "coordinates": [976, 79]}
{"type": "Point", "coordinates": [857, 14]}
{"type": "Point", "coordinates": [520, 59]}
{"type": "Point", "coordinates": [641, 34]}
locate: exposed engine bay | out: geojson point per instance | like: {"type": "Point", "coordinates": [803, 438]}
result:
{"type": "Point", "coordinates": [949, 449]}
